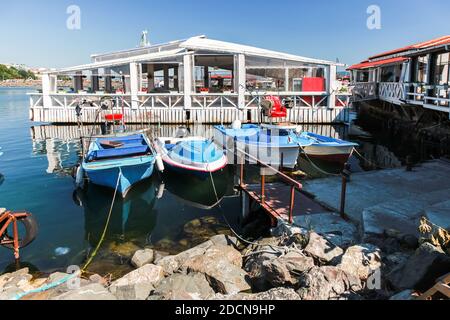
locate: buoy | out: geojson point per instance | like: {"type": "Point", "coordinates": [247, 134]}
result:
{"type": "Point", "coordinates": [79, 177]}
{"type": "Point", "coordinates": [159, 163]}
{"type": "Point", "coordinates": [236, 125]}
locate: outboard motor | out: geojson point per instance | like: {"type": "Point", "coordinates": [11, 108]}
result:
{"type": "Point", "coordinates": [182, 132]}
{"type": "Point", "coordinates": [273, 108]}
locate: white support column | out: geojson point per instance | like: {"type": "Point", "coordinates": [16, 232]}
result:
{"type": "Point", "coordinates": [134, 84]}
{"type": "Point", "coordinates": [46, 90]}
{"type": "Point", "coordinates": [187, 80]}
{"type": "Point", "coordinates": [332, 86]}
{"type": "Point", "coordinates": [241, 80]}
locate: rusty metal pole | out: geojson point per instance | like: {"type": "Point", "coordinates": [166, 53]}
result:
{"type": "Point", "coordinates": [291, 208]}
{"type": "Point", "coordinates": [16, 239]}
{"type": "Point", "coordinates": [263, 184]}
{"type": "Point", "coordinates": [345, 178]}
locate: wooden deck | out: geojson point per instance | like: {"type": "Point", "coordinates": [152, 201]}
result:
{"type": "Point", "coordinates": [277, 201]}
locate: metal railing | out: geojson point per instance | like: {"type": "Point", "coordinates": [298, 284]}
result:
{"type": "Point", "coordinates": [262, 197]}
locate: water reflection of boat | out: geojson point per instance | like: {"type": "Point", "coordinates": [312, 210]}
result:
{"type": "Point", "coordinates": [132, 218]}
{"type": "Point", "coordinates": [197, 192]}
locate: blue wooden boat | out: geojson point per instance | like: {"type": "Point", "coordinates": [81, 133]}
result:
{"type": "Point", "coordinates": [270, 145]}
{"type": "Point", "coordinates": [132, 156]}
{"type": "Point", "coordinates": [192, 156]}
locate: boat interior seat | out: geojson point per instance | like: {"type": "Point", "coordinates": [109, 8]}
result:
{"type": "Point", "coordinates": [105, 154]}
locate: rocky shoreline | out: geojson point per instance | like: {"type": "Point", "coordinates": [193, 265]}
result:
{"type": "Point", "coordinates": [293, 264]}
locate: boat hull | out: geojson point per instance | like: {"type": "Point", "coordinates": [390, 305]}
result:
{"type": "Point", "coordinates": [130, 175]}
{"type": "Point", "coordinates": [276, 154]}
{"type": "Point", "coordinates": [339, 154]}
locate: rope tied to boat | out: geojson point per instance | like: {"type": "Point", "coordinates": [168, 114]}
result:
{"type": "Point", "coordinates": [105, 229]}
{"type": "Point", "coordinates": [276, 249]}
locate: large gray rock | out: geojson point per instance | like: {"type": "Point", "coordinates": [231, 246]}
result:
{"type": "Point", "coordinates": [254, 267]}
{"type": "Point", "coordinates": [92, 291]}
{"type": "Point", "coordinates": [222, 267]}
{"type": "Point", "coordinates": [8, 279]}
{"type": "Point", "coordinates": [331, 226]}
{"type": "Point", "coordinates": [270, 295]}
{"type": "Point", "coordinates": [361, 260]}
{"type": "Point", "coordinates": [284, 271]}
{"type": "Point", "coordinates": [328, 283]}
{"type": "Point", "coordinates": [193, 286]}
{"type": "Point", "coordinates": [137, 284]}
{"type": "Point", "coordinates": [142, 257]}
{"type": "Point", "coordinates": [225, 240]}
{"type": "Point", "coordinates": [320, 248]}
{"type": "Point", "coordinates": [171, 264]}
{"type": "Point", "coordinates": [421, 270]}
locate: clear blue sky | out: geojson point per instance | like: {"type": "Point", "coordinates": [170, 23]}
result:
{"type": "Point", "coordinates": [34, 31]}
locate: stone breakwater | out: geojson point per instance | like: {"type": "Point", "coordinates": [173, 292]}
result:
{"type": "Point", "coordinates": [295, 265]}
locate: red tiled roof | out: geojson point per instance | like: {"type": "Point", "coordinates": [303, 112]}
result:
{"type": "Point", "coordinates": [368, 64]}
{"type": "Point", "coordinates": [422, 45]}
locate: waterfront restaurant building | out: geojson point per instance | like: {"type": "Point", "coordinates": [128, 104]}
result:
{"type": "Point", "coordinates": [415, 76]}
{"type": "Point", "coordinates": [193, 80]}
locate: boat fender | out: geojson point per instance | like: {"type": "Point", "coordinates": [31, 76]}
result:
{"type": "Point", "coordinates": [161, 189]}
{"type": "Point", "coordinates": [236, 125]}
{"type": "Point", "coordinates": [79, 177]}
{"type": "Point", "coordinates": [159, 163]}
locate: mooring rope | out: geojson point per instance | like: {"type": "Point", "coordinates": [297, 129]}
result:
{"type": "Point", "coordinates": [105, 229]}
{"type": "Point", "coordinates": [316, 166]}
{"type": "Point", "coordinates": [277, 249]}
{"type": "Point", "coordinates": [80, 272]}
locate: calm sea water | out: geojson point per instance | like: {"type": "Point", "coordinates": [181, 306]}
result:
{"type": "Point", "coordinates": [36, 167]}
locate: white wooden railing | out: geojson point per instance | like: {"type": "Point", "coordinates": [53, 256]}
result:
{"type": "Point", "coordinates": [299, 99]}
{"type": "Point", "coordinates": [364, 91]}
{"type": "Point", "coordinates": [216, 100]}
{"type": "Point", "coordinates": [144, 100]}
{"type": "Point", "coordinates": [392, 92]}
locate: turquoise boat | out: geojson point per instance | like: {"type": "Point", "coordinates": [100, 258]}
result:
{"type": "Point", "coordinates": [132, 157]}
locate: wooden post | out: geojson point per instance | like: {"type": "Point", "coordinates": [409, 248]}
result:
{"type": "Point", "coordinates": [150, 77]}
{"type": "Point", "coordinates": [166, 77]}
{"type": "Point", "coordinates": [345, 178]}
{"type": "Point", "coordinates": [95, 83]}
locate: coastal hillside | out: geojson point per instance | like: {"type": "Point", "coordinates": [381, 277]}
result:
{"type": "Point", "coordinates": [12, 73]}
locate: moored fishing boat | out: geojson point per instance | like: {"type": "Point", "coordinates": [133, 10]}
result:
{"type": "Point", "coordinates": [119, 161]}
{"type": "Point", "coordinates": [327, 148]}
{"type": "Point", "coordinates": [191, 155]}
{"type": "Point", "coordinates": [276, 147]}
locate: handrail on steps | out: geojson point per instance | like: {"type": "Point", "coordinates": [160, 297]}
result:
{"type": "Point", "coordinates": [295, 185]}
